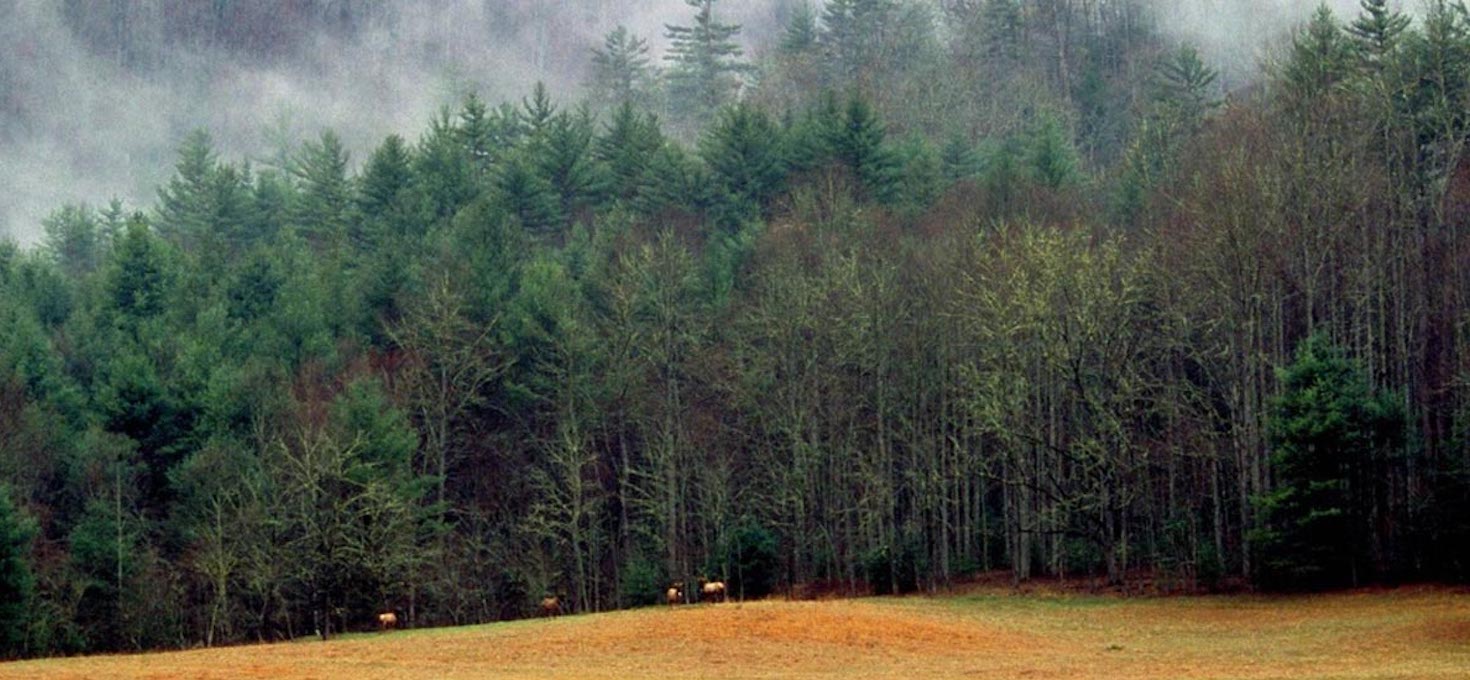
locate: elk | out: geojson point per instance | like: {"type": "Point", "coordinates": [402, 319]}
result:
{"type": "Point", "coordinates": [712, 591]}
{"type": "Point", "coordinates": [551, 606]}
{"type": "Point", "coordinates": [675, 593]}
{"type": "Point", "coordinates": [388, 621]}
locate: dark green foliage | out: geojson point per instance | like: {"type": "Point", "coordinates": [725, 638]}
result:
{"type": "Point", "coordinates": [1377, 31]}
{"type": "Point", "coordinates": [17, 585]}
{"type": "Point", "coordinates": [1053, 158]}
{"type": "Point", "coordinates": [743, 152]}
{"type": "Point", "coordinates": [625, 150]}
{"type": "Point", "coordinates": [959, 160]}
{"type": "Point", "coordinates": [861, 145]}
{"type": "Point", "coordinates": [1331, 435]}
{"type": "Point", "coordinates": [568, 165]}
{"type": "Point", "coordinates": [384, 194]}
{"type": "Point", "coordinates": [528, 196]}
{"type": "Point", "coordinates": [753, 560]}
{"type": "Point", "coordinates": [322, 210]}
{"type": "Point", "coordinates": [1320, 56]}
{"type": "Point", "coordinates": [139, 278]}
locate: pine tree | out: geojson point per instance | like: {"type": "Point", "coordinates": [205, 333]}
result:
{"type": "Point", "coordinates": [801, 32]}
{"type": "Point", "coordinates": [621, 70]}
{"type": "Point", "coordinates": [322, 210]}
{"type": "Point", "coordinates": [1327, 429]}
{"type": "Point", "coordinates": [626, 148]}
{"type": "Point", "coordinates": [959, 159]}
{"type": "Point", "coordinates": [443, 168]}
{"type": "Point", "coordinates": [743, 152]}
{"type": "Point", "coordinates": [1320, 56]}
{"type": "Point", "coordinates": [538, 111]}
{"type": "Point", "coordinates": [184, 211]}
{"type": "Point", "coordinates": [1184, 88]}
{"type": "Point", "coordinates": [1376, 31]}
{"type": "Point", "coordinates": [384, 194]}
{"type": "Point", "coordinates": [477, 134]}
{"type": "Point", "coordinates": [1052, 155]}
{"type": "Point", "coordinates": [525, 194]}
{"type": "Point", "coordinates": [565, 161]}
{"type": "Point", "coordinates": [706, 70]}
{"type": "Point", "coordinates": [855, 30]}
{"type": "Point", "coordinates": [138, 280]}
{"type": "Point", "coordinates": [862, 147]}
{"type": "Point", "coordinates": [17, 586]}
{"type": "Point", "coordinates": [73, 239]}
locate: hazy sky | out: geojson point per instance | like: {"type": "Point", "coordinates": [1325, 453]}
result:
{"type": "Point", "coordinates": [76, 126]}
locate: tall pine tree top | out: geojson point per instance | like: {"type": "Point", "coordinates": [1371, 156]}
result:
{"type": "Point", "coordinates": [1377, 30]}
{"type": "Point", "coordinates": [706, 63]}
{"type": "Point", "coordinates": [620, 69]}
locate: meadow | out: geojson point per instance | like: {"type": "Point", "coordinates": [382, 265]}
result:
{"type": "Point", "coordinates": [1418, 632]}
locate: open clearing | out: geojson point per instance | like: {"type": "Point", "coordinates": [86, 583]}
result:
{"type": "Point", "coordinates": [1407, 633]}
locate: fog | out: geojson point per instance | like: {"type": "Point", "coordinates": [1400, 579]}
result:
{"type": "Point", "coordinates": [87, 114]}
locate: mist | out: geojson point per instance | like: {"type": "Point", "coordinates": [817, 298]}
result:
{"type": "Point", "coordinates": [87, 115]}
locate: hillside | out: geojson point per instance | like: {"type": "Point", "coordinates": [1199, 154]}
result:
{"type": "Point", "coordinates": [1419, 633]}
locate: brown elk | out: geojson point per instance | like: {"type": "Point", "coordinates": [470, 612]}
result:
{"type": "Point", "coordinates": [551, 606]}
{"type": "Point", "coordinates": [675, 594]}
{"type": "Point", "coordinates": [712, 591]}
{"type": "Point", "coordinates": [388, 621]}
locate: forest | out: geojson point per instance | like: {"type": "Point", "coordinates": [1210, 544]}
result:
{"type": "Point", "coordinates": [917, 291]}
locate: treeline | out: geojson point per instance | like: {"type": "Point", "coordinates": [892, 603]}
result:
{"type": "Point", "coordinates": [870, 341]}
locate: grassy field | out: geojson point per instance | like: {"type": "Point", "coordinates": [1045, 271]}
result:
{"type": "Point", "coordinates": [1409, 633]}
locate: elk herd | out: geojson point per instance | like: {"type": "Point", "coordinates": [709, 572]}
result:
{"type": "Point", "coordinates": [551, 605]}
{"type": "Point", "coordinates": [708, 591]}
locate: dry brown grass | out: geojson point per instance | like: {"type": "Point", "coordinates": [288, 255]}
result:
{"type": "Point", "coordinates": [1410, 633]}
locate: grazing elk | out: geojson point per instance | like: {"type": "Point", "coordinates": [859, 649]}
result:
{"type": "Point", "coordinates": [675, 593]}
{"type": "Point", "coordinates": [712, 591]}
{"type": "Point", "coordinates": [551, 606]}
{"type": "Point", "coordinates": [387, 621]}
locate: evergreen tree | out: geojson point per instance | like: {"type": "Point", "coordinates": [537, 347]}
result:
{"type": "Point", "coordinates": [1184, 88]}
{"type": "Point", "coordinates": [184, 211]}
{"type": "Point", "coordinates": [476, 132]}
{"type": "Point", "coordinates": [322, 210]}
{"type": "Point", "coordinates": [1377, 31]}
{"type": "Point", "coordinates": [74, 239]}
{"type": "Point", "coordinates": [384, 192]}
{"type": "Point", "coordinates": [1053, 157]}
{"type": "Point", "coordinates": [139, 279]}
{"type": "Point", "coordinates": [801, 32]}
{"type": "Point", "coordinates": [538, 111]}
{"type": "Point", "coordinates": [959, 159]}
{"type": "Point", "coordinates": [862, 147]}
{"type": "Point", "coordinates": [1320, 56]}
{"type": "Point", "coordinates": [626, 148]}
{"type": "Point", "coordinates": [444, 171]}
{"type": "Point", "coordinates": [526, 195]}
{"type": "Point", "coordinates": [705, 67]}
{"type": "Point", "coordinates": [1327, 429]}
{"type": "Point", "coordinates": [17, 586]}
{"type": "Point", "coordinates": [621, 70]}
{"type": "Point", "coordinates": [743, 152]}
{"type": "Point", "coordinates": [566, 162]}
{"type": "Point", "coordinates": [854, 34]}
